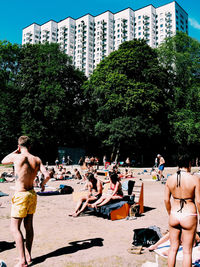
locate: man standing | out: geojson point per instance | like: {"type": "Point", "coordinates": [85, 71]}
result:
{"type": "Point", "coordinates": [24, 200]}
{"type": "Point", "coordinates": [161, 166]}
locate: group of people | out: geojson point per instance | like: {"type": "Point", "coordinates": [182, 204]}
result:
{"type": "Point", "coordinates": [182, 187]}
{"type": "Point", "coordinates": [95, 196]}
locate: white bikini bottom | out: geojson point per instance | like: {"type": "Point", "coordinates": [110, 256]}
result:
{"type": "Point", "coordinates": [182, 215]}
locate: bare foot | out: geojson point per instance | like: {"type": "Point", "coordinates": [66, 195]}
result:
{"type": "Point", "coordinates": [19, 264]}
{"type": "Point", "coordinates": [71, 214]}
{"type": "Point", "coordinates": [75, 215]}
{"type": "Point", "coordinates": [91, 206]}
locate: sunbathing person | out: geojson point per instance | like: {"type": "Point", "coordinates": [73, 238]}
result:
{"type": "Point", "coordinates": [185, 189]}
{"type": "Point", "coordinates": [115, 192]}
{"type": "Point", "coordinates": [77, 174]}
{"type": "Point", "coordinates": [94, 192]}
{"type": "Point", "coordinates": [166, 238]}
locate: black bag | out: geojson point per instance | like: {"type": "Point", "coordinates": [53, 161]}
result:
{"type": "Point", "coordinates": [66, 189]}
{"type": "Point", "coordinates": [145, 237]}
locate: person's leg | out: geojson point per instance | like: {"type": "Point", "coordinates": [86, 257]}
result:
{"type": "Point", "coordinates": [108, 199]}
{"type": "Point", "coordinates": [28, 225]}
{"type": "Point", "coordinates": [91, 198]}
{"type": "Point", "coordinates": [94, 205]}
{"type": "Point", "coordinates": [78, 206]}
{"type": "Point", "coordinates": [18, 237]}
{"type": "Point", "coordinates": [189, 225]}
{"type": "Point", "coordinates": [174, 236]}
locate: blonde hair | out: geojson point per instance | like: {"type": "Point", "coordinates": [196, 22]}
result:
{"type": "Point", "coordinates": [24, 141]}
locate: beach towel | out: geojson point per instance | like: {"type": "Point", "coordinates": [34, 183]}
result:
{"type": "Point", "coordinates": [166, 245]}
{"type": "Point", "coordinates": [48, 193]}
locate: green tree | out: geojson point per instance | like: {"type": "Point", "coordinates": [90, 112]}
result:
{"type": "Point", "coordinates": [181, 55]}
{"type": "Point", "coordinates": [127, 94]}
{"type": "Point", "coordinates": [51, 98]}
{"type": "Point", "coordinates": [9, 108]}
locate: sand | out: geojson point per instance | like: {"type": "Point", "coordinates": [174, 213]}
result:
{"type": "Point", "coordinates": [87, 240]}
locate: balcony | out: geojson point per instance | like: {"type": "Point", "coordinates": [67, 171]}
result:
{"type": "Point", "coordinates": [146, 34]}
{"type": "Point", "coordinates": [146, 17]}
{"type": "Point", "coordinates": [168, 14]}
{"type": "Point", "coordinates": [169, 32]}
{"type": "Point", "coordinates": [146, 28]}
{"type": "Point", "coordinates": [168, 25]}
{"type": "Point", "coordinates": [146, 22]}
{"type": "Point", "coordinates": [169, 20]}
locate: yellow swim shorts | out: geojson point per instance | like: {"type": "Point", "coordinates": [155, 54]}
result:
{"type": "Point", "coordinates": [23, 203]}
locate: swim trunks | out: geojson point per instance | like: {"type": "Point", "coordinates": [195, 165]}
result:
{"type": "Point", "coordinates": [161, 167]}
{"type": "Point", "coordinates": [23, 203]}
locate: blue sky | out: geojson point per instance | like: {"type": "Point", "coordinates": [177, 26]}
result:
{"type": "Point", "coordinates": [17, 14]}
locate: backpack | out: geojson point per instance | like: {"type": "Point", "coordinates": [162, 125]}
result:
{"type": "Point", "coordinates": [66, 189]}
{"type": "Point", "coordinates": [145, 237]}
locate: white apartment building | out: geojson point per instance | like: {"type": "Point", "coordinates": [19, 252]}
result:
{"type": "Point", "coordinates": [89, 39]}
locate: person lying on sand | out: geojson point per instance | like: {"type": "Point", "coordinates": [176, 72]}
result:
{"type": "Point", "coordinates": [166, 237]}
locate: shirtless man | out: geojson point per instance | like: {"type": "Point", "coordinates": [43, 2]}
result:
{"type": "Point", "coordinates": [185, 189]}
{"type": "Point", "coordinates": [161, 166]}
{"type": "Point", "coordinates": [24, 200]}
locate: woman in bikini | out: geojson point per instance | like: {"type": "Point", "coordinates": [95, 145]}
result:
{"type": "Point", "coordinates": [94, 193]}
{"type": "Point", "coordinates": [185, 190]}
{"type": "Point", "coordinates": [114, 192]}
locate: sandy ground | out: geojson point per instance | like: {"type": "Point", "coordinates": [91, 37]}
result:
{"type": "Point", "coordinates": [87, 240]}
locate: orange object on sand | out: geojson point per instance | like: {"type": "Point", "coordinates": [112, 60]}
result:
{"type": "Point", "coordinates": [120, 213]}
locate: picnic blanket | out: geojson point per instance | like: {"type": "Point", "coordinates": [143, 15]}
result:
{"type": "Point", "coordinates": [166, 245]}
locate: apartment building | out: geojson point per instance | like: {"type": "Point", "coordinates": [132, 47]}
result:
{"type": "Point", "coordinates": [89, 39]}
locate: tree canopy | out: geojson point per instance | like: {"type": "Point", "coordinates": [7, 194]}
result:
{"type": "Point", "coordinates": [181, 55]}
{"type": "Point", "coordinates": [126, 94]}
{"type": "Point", "coordinates": [48, 102]}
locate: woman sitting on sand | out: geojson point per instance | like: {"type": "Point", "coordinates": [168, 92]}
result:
{"type": "Point", "coordinates": [115, 192]}
{"type": "Point", "coordinates": [185, 189]}
{"type": "Point", "coordinates": [94, 187]}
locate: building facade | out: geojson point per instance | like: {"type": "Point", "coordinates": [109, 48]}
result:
{"type": "Point", "coordinates": [89, 39]}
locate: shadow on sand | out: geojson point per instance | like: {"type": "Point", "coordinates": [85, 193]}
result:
{"type": "Point", "coordinates": [74, 247]}
{"type": "Point", "coordinates": [4, 245]}
{"type": "Point", "coordinates": [146, 209]}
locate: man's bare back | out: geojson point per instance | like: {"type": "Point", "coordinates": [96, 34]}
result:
{"type": "Point", "coordinates": [26, 167]}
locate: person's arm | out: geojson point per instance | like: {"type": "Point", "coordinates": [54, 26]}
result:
{"type": "Point", "coordinates": [197, 193]}
{"type": "Point", "coordinates": [89, 187]}
{"type": "Point", "coordinates": [10, 158]}
{"type": "Point", "coordinates": [160, 241]}
{"type": "Point", "coordinates": [46, 176]}
{"type": "Point", "coordinates": [99, 188]}
{"type": "Point", "coordinates": [167, 199]}
{"type": "Point", "coordinates": [116, 189]}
